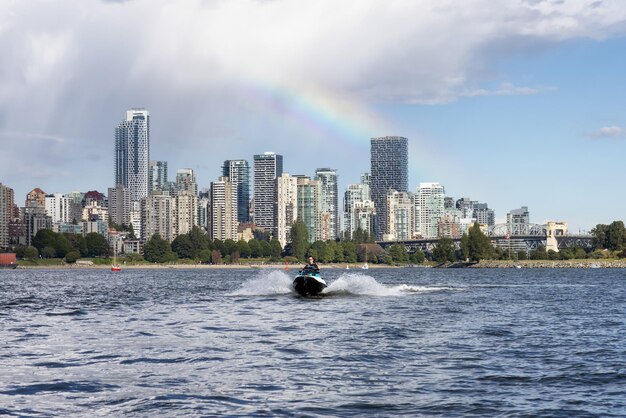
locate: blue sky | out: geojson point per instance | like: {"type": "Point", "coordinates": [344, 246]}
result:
{"type": "Point", "coordinates": [513, 103]}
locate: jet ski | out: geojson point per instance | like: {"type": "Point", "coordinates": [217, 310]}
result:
{"type": "Point", "coordinates": [309, 282]}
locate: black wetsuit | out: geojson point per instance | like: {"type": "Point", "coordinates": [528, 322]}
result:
{"type": "Point", "coordinates": [311, 267]}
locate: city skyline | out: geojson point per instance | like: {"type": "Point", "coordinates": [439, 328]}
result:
{"type": "Point", "coordinates": [519, 107]}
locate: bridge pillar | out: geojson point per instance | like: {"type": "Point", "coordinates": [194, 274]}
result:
{"type": "Point", "coordinates": [553, 230]}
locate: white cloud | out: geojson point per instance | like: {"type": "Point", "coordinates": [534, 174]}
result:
{"type": "Point", "coordinates": [71, 68]}
{"type": "Point", "coordinates": [609, 132]}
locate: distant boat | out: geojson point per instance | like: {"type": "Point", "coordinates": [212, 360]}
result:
{"type": "Point", "coordinates": [115, 266]}
{"type": "Point", "coordinates": [347, 267]}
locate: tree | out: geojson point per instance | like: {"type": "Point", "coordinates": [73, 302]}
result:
{"type": "Point", "coordinates": [417, 257]}
{"type": "Point", "coordinates": [277, 249]}
{"type": "Point", "coordinates": [44, 238]}
{"type": "Point", "coordinates": [200, 240]}
{"type": "Point", "coordinates": [255, 248]}
{"type": "Point", "coordinates": [216, 257]}
{"type": "Point", "coordinates": [156, 249]}
{"type": "Point", "coordinates": [444, 251]}
{"type": "Point", "coordinates": [299, 240]}
{"type": "Point", "coordinates": [72, 256]}
{"type": "Point", "coordinates": [539, 254]}
{"type": "Point", "coordinates": [48, 252]}
{"type": "Point", "coordinates": [398, 253]}
{"type": "Point", "coordinates": [477, 246]}
{"type": "Point", "coordinates": [205, 256]}
{"type": "Point", "coordinates": [183, 247]}
{"type": "Point", "coordinates": [349, 252]}
{"type": "Point", "coordinates": [230, 247]}
{"type": "Point", "coordinates": [266, 249]}
{"type": "Point", "coordinates": [616, 236]}
{"type": "Point", "coordinates": [131, 232]}
{"type": "Point", "coordinates": [610, 237]}
{"type": "Point", "coordinates": [31, 253]}
{"type": "Point", "coordinates": [219, 246]}
{"type": "Point", "coordinates": [78, 243]}
{"type": "Point", "coordinates": [320, 250]}
{"type": "Point", "coordinates": [244, 249]}
{"type": "Point", "coordinates": [330, 252]}
{"type": "Point", "coordinates": [97, 245]}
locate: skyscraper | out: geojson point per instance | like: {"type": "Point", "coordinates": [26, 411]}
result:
{"type": "Point", "coordinates": [223, 210]}
{"type": "Point", "coordinates": [119, 205]}
{"type": "Point", "coordinates": [267, 167]}
{"type": "Point", "coordinates": [186, 181]}
{"type": "Point", "coordinates": [286, 206]}
{"type": "Point", "coordinates": [329, 205]}
{"type": "Point", "coordinates": [238, 171]}
{"type": "Point", "coordinates": [389, 171]}
{"type": "Point", "coordinates": [7, 198]}
{"type": "Point", "coordinates": [429, 209]}
{"type": "Point", "coordinates": [132, 153]}
{"type": "Point", "coordinates": [158, 175]}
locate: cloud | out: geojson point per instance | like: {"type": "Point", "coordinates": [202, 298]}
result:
{"type": "Point", "coordinates": [609, 132]}
{"type": "Point", "coordinates": [71, 69]}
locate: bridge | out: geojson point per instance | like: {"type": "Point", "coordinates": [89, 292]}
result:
{"type": "Point", "coordinates": [510, 237]}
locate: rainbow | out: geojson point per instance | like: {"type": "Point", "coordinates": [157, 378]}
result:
{"type": "Point", "coordinates": [333, 120]}
{"type": "Point", "coordinates": [323, 115]}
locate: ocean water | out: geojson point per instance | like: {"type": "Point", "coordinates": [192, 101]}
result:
{"type": "Point", "coordinates": [381, 342]}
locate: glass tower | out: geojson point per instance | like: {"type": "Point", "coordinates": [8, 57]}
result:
{"type": "Point", "coordinates": [238, 172]}
{"type": "Point", "coordinates": [267, 168]}
{"type": "Point", "coordinates": [329, 201]}
{"type": "Point", "coordinates": [389, 171]}
{"type": "Point", "coordinates": [132, 153]}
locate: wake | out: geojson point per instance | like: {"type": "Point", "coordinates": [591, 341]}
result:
{"type": "Point", "coordinates": [278, 282]}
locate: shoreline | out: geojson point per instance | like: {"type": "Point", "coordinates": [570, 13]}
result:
{"type": "Point", "coordinates": [500, 264]}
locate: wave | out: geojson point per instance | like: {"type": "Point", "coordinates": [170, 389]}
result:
{"type": "Point", "coordinates": [273, 282]}
{"type": "Point", "coordinates": [277, 282]}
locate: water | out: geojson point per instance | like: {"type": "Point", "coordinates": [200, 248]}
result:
{"type": "Point", "coordinates": [382, 342]}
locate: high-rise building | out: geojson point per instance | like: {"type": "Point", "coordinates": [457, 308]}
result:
{"type": "Point", "coordinates": [223, 210]}
{"type": "Point", "coordinates": [158, 175]}
{"type": "Point", "coordinates": [238, 171]}
{"type": "Point", "coordinates": [329, 203]}
{"type": "Point", "coordinates": [35, 219]}
{"type": "Point", "coordinates": [429, 209]}
{"type": "Point", "coordinates": [309, 205]}
{"type": "Point", "coordinates": [7, 202]}
{"type": "Point", "coordinates": [358, 208]}
{"type": "Point", "coordinates": [389, 171]}
{"type": "Point", "coordinates": [119, 205]}
{"type": "Point", "coordinates": [59, 208]}
{"type": "Point", "coordinates": [156, 217]}
{"type": "Point", "coordinates": [401, 214]}
{"type": "Point", "coordinates": [184, 212]}
{"type": "Point", "coordinates": [36, 197]}
{"type": "Point", "coordinates": [517, 220]}
{"type": "Point", "coordinates": [186, 181]}
{"type": "Point", "coordinates": [267, 167]}
{"type": "Point", "coordinates": [286, 207]}
{"type": "Point", "coordinates": [484, 215]}
{"type": "Point", "coordinates": [132, 153]}
{"type": "Point", "coordinates": [204, 211]}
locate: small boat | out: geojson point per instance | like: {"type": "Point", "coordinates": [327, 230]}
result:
{"type": "Point", "coordinates": [115, 266]}
{"type": "Point", "coordinates": [365, 266]}
{"type": "Point", "coordinates": [347, 267]}
{"type": "Point", "coordinates": [308, 282]}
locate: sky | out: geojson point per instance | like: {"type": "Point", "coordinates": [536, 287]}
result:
{"type": "Point", "coordinates": [512, 103]}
